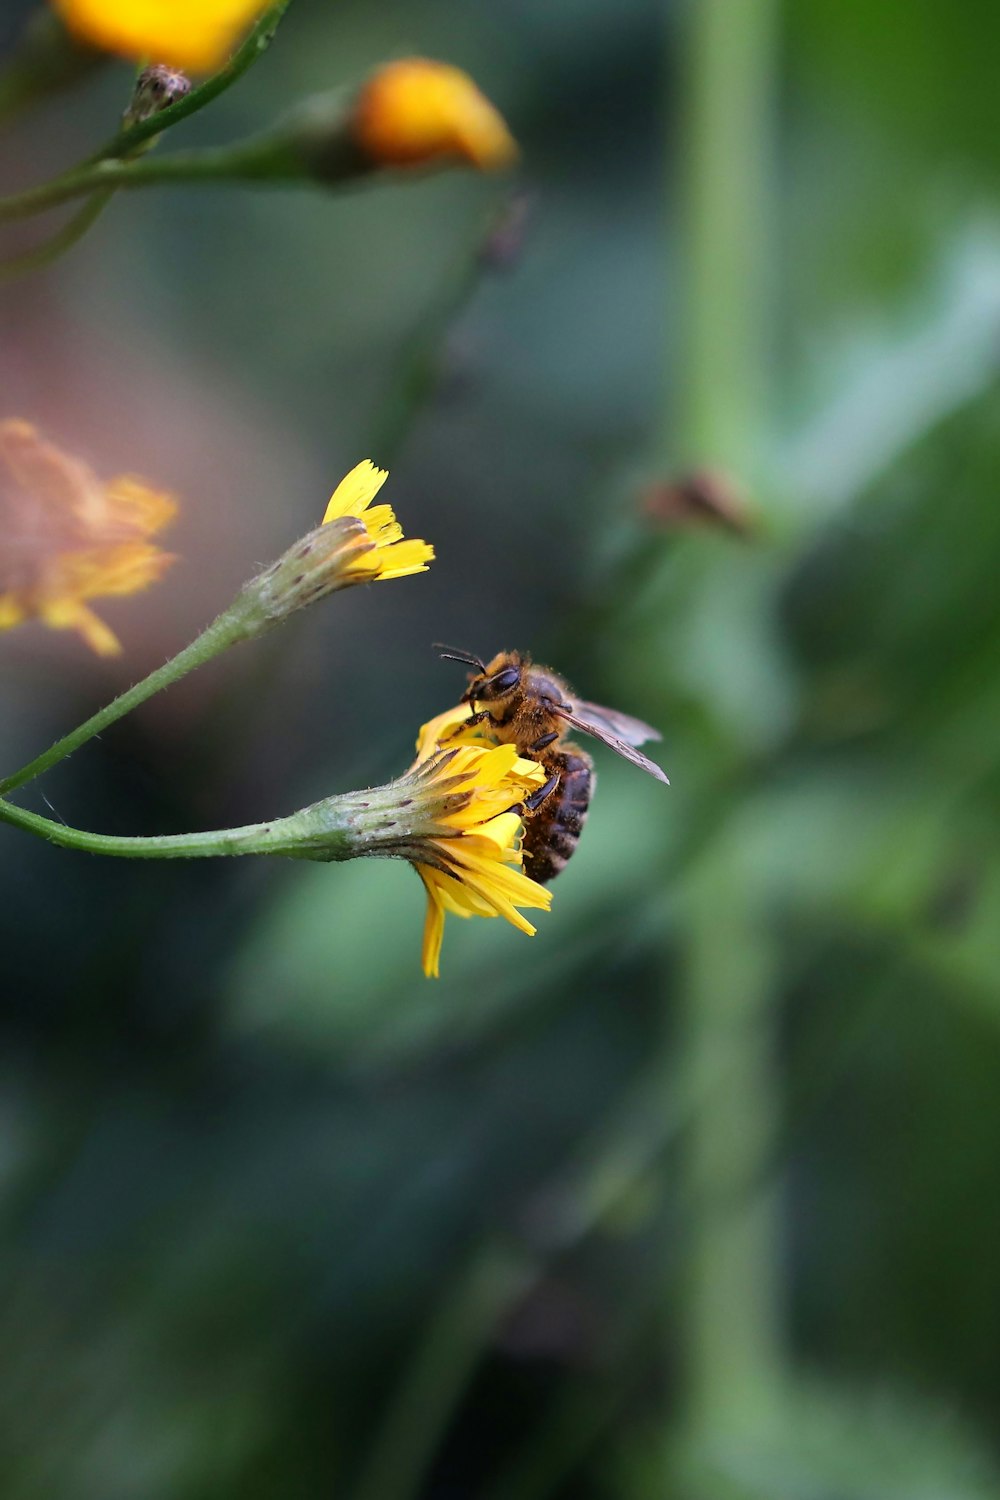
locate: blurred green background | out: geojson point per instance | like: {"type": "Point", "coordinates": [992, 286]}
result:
{"type": "Point", "coordinates": [696, 1194]}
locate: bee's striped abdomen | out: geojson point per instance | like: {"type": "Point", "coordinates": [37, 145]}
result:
{"type": "Point", "coordinates": [551, 833]}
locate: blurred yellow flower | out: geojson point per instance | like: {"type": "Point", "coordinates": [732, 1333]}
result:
{"type": "Point", "coordinates": [469, 853]}
{"type": "Point", "coordinates": [390, 555]}
{"type": "Point", "coordinates": [66, 537]}
{"type": "Point", "coordinates": [415, 112]}
{"type": "Point", "coordinates": [196, 35]}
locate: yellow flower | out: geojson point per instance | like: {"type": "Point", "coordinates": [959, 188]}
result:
{"type": "Point", "coordinates": [455, 815]}
{"type": "Point", "coordinates": [390, 556]}
{"type": "Point", "coordinates": [357, 542]}
{"type": "Point", "coordinates": [66, 537]}
{"type": "Point", "coordinates": [469, 853]}
{"type": "Point", "coordinates": [414, 112]}
{"type": "Point", "coordinates": [196, 35]}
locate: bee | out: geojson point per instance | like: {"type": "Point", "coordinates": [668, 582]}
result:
{"type": "Point", "coordinates": [531, 707]}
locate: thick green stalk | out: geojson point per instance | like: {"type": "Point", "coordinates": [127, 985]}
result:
{"type": "Point", "coordinates": [732, 1345]}
{"type": "Point", "coordinates": [728, 62]}
{"type": "Point", "coordinates": [229, 628]}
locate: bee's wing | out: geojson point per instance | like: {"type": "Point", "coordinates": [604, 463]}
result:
{"type": "Point", "coordinates": [579, 716]}
{"type": "Point", "coordinates": [632, 731]}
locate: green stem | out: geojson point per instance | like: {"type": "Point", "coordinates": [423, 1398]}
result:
{"type": "Point", "coordinates": [725, 138]}
{"type": "Point", "coordinates": [417, 370]}
{"type": "Point", "coordinates": [438, 1375]}
{"type": "Point", "coordinates": [111, 168]}
{"type": "Point", "coordinates": [229, 628]}
{"type": "Point", "coordinates": [277, 837]}
{"type": "Point", "coordinates": [732, 1343]}
{"type": "Point", "coordinates": [257, 160]}
{"type": "Point", "coordinates": [256, 44]}
{"type": "Point", "coordinates": [70, 234]}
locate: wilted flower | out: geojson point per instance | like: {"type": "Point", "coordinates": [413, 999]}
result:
{"type": "Point", "coordinates": [67, 537]}
{"type": "Point", "coordinates": [196, 35]}
{"type": "Point", "coordinates": [357, 543]}
{"type": "Point", "coordinates": [415, 112]}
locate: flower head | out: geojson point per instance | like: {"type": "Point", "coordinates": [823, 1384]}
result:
{"type": "Point", "coordinates": [196, 35]}
{"type": "Point", "coordinates": [67, 537]}
{"type": "Point", "coordinates": [415, 112]}
{"type": "Point", "coordinates": [470, 861]}
{"type": "Point", "coordinates": [455, 815]}
{"type": "Point", "coordinates": [357, 542]}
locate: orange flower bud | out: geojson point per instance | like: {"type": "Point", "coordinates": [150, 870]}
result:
{"type": "Point", "coordinates": [415, 112]}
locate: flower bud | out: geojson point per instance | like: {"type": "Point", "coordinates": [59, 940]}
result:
{"type": "Point", "coordinates": [357, 543]}
{"type": "Point", "coordinates": [415, 112]}
{"type": "Point", "coordinates": [324, 560]}
{"type": "Point", "coordinates": [156, 88]}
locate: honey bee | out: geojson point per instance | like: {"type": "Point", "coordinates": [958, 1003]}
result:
{"type": "Point", "coordinates": [530, 707]}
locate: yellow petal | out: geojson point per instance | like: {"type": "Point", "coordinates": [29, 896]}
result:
{"type": "Point", "coordinates": [405, 557]}
{"type": "Point", "coordinates": [356, 491]}
{"type": "Point", "coordinates": [132, 503]}
{"type": "Point", "coordinates": [440, 729]}
{"type": "Point", "coordinates": [433, 928]}
{"type": "Point", "coordinates": [11, 612]}
{"type": "Point", "coordinates": [66, 614]}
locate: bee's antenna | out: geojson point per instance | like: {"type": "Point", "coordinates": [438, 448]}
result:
{"type": "Point", "coordinates": [453, 653]}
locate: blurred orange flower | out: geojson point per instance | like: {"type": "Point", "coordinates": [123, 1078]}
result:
{"type": "Point", "coordinates": [414, 112]}
{"type": "Point", "coordinates": [66, 537]}
{"type": "Point", "coordinates": [196, 35]}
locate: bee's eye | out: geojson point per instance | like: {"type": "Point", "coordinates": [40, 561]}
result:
{"type": "Point", "coordinates": [505, 680]}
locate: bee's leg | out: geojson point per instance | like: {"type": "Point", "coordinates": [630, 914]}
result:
{"type": "Point", "coordinates": [546, 739]}
{"type": "Point", "coordinates": [534, 801]}
{"type": "Point", "coordinates": [470, 723]}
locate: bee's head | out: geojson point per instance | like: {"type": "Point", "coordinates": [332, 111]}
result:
{"type": "Point", "coordinates": [493, 681]}
{"type": "Point", "coordinates": [498, 679]}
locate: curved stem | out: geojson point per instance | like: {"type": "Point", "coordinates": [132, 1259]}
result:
{"type": "Point", "coordinates": [247, 840]}
{"type": "Point", "coordinates": [255, 45]}
{"type": "Point", "coordinates": [255, 160]}
{"type": "Point", "coordinates": [69, 235]}
{"type": "Point", "coordinates": [111, 166]}
{"type": "Point", "coordinates": [223, 632]}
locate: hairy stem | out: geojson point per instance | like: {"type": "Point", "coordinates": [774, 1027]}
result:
{"type": "Point", "coordinates": [281, 836]}
{"type": "Point", "coordinates": [222, 633]}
